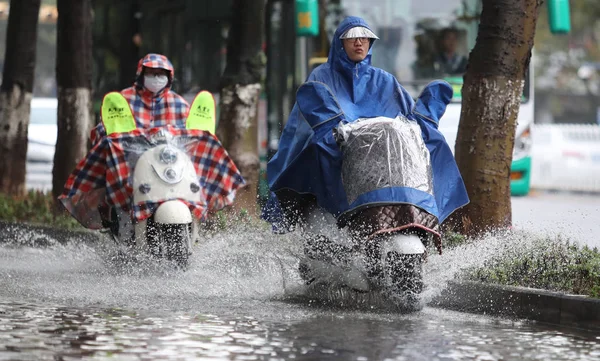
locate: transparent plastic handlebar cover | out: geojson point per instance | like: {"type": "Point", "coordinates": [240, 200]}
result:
{"type": "Point", "coordinates": [383, 152]}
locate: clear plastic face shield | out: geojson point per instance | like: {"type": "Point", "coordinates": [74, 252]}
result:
{"type": "Point", "coordinates": [357, 42]}
{"type": "Point", "coordinates": [359, 32]}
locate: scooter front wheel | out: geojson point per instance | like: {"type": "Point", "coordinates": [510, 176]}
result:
{"type": "Point", "coordinates": [171, 241]}
{"type": "Point", "coordinates": [404, 273]}
{"type": "Point", "coordinates": [177, 240]}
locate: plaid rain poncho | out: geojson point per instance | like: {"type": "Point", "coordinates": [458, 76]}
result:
{"type": "Point", "coordinates": [105, 175]}
{"type": "Point", "coordinates": [103, 179]}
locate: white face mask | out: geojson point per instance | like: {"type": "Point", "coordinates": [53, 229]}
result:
{"type": "Point", "coordinates": [155, 83]}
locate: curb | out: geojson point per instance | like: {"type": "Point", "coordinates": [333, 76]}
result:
{"type": "Point", "coordinates": [25, 234]}
{"type": "Point", "coordinates": [520, 302]}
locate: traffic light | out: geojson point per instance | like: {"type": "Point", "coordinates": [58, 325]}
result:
{"type": "Point", "coordinates": [307, 17]}
{"type": "Point", "coordinates": [559, 16]}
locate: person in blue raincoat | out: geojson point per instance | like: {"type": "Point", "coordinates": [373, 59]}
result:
{"type": "Point", "coordinates": [306, 170]}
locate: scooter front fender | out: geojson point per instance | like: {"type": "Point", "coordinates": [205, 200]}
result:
{"type": "Point", "coordinates": [173, 212]}
{"type": "Point", "coordinates": [402, 244]}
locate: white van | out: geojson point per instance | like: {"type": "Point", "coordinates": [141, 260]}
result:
{"type": "Point", "coordinates": [566, 157]}
{"type": "Point", "coordinates": [42, 134]}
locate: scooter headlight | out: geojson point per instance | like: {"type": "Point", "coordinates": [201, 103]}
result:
{"type": "Point", "coordinates": [168, 155]}
{"type": "Point", "coordinates": [171, 174]}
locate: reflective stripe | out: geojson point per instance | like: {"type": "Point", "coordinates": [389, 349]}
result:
{"type": "Point", "coordinates": [202, 114]}
{"type": "Point", "coordinates": [116, 114]}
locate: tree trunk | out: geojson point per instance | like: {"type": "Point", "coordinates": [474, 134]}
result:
{"type": "Point", "coordinates": [16, 93]}
{"type": "Point", "coordinates": [240, 91]}
{"type": "Point", "coordinates": [129, 50]}
{"type": "Point", "coordinates": [74, 80]}
{"type": "Point", "coordinates": [492, 90]}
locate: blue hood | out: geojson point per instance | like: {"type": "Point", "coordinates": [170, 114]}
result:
{"type": "Point", "coordinates": [339, 60]}
{"type": "Point", "coordinates": [309, 160]}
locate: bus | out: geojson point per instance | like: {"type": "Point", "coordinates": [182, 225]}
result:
{"type": "Point", "coordinates": [415, 40]}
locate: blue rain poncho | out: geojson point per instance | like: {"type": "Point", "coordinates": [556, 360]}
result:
{"type": "Point", "coordinates": [309, 160]}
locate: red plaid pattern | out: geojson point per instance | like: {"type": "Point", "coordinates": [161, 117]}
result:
{"type": "Point", "coordinates": [151, 110]}
{"type": "Point", "coordinates": [104, 176]}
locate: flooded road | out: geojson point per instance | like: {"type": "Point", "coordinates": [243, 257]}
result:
{"type": "Point", "coordinates": [242, 300]}
{"type": "Point", "coordinates": [275, 331]}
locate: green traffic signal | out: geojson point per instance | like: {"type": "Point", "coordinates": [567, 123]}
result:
{"type": "Point", "coordinates": [559, 16]}
{"type": "Point", "coordinates": [307, 17]}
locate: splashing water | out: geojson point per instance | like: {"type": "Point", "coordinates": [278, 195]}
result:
{"type": "Point", "coordinates": [242, 263]}
{"type": "Point", "coordinates": [439, 269]}
{"type": "Point", "coordinates": [76, 299]}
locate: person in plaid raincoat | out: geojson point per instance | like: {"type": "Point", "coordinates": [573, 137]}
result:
{"type": "Point", "coordinates": [97, 193]}
{"type": "Point", "coordinates": [152, 101]}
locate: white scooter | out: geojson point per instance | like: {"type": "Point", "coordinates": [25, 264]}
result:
{"type": "Point", "coordinates": [165, 172]}
{"type": "Point", "coordinates": [157, 193]}
{"type": "Point", "coordinates": [378, 246]}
